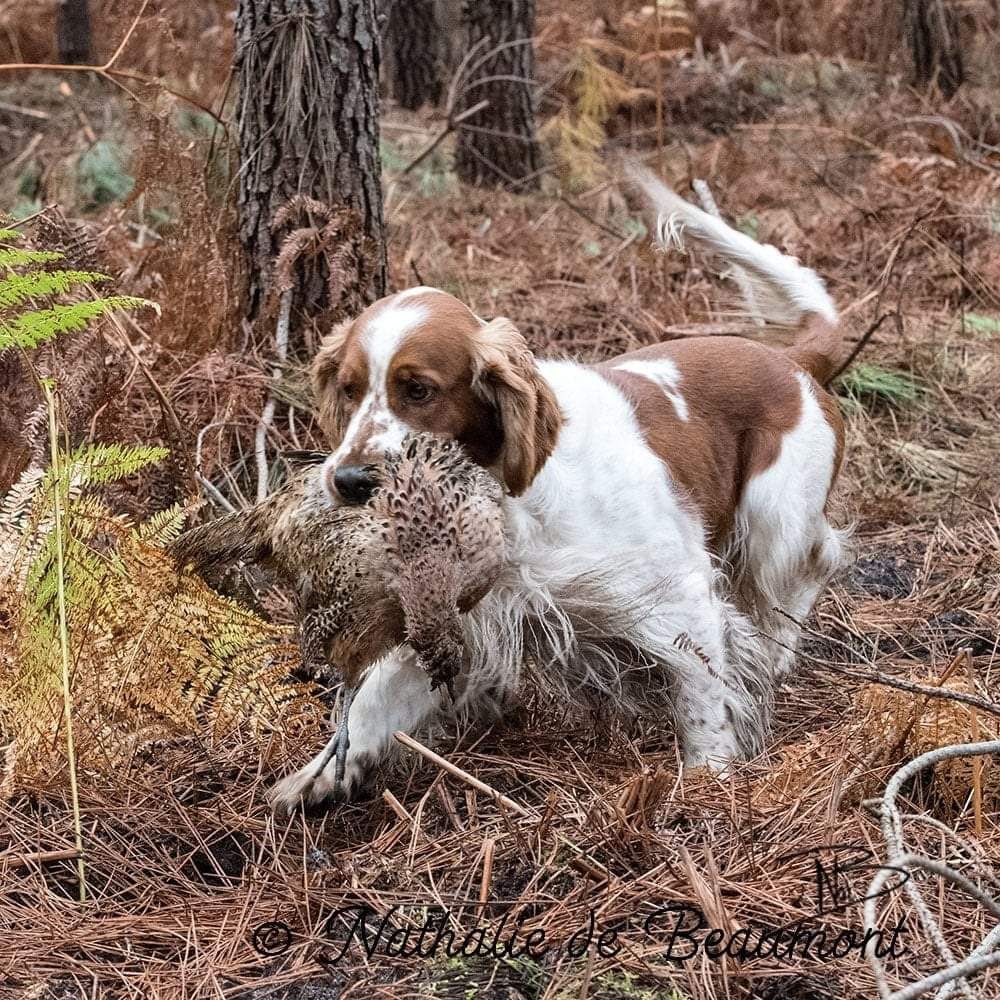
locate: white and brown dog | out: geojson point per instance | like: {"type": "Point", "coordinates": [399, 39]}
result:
{"type": "Point", "coordinates": [689, 480]}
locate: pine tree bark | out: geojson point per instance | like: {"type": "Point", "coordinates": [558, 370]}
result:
{"type": "Point", "coordinates": [932, 30]}
{"type": "Point", "coordinates": [414, 52]}
{"type": "Point", "coordinates": [307, 120]}
{"type": "Point", "coordinates": [73, 36]}
{"type": "Point", "coordinates": [496, 146]}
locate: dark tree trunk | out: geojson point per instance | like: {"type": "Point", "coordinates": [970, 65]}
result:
{"type": "Point", "coordinates": [932, 31]}
{"type": "Point", "coordinates": [307, 118]}
{"type": "Point", "coordinates": [414, 52]}
{"type": "Point", "coordinates": [73, 32]}
{"type": "Point", "coordinates": [452, 35]}
{"type": "Point", "coordinates": [496, 145]}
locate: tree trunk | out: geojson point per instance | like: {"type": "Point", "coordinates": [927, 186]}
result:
{"type": "Point", "coordinates": [307, 120]}
{"type": "Point", "coordinates": [73, 32]}
{"type": "Point", "coordinates": [452, 35]}
{"type": "Point", "coordinates": [496, 145]}
{"type": "Point", "coordinates": [414, 48]}
{"type": "Point", "coordinates": [932, 31]}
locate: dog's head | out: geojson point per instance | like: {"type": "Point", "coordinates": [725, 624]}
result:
{"type": "Point", "coordinates": [421, 360]}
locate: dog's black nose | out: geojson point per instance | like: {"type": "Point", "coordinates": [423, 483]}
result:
{"type": "Point", "coordinates": [355, 483]}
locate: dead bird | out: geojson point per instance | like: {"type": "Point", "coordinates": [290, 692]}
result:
{"type": "Point", "coordinates": [401, 569]}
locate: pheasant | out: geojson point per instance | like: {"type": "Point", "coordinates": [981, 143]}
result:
{"type": "Point", "coordinates": [428, 546]}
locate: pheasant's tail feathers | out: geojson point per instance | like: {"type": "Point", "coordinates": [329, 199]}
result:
{"type": "Point", "coordinates": [775, 286]}
{"type": "Point", "coordinates": [228, 539]}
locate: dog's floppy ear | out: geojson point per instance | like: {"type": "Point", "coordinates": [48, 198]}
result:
{"type": "Point", "coordinates": [329, 407]}
{"type": "Point", "coordinates": [504, 373]}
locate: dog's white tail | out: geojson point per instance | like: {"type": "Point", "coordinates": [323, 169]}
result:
{"type": "Point", "coordinates": [774, 285]}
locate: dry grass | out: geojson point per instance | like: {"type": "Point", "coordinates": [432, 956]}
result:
{"type": "Point", "coordinates": [895, 200]}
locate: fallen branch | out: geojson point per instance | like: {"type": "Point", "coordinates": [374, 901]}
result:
{"type": "Point", "coordinates": [877, 677]}
{"type": "Point", "coordinates": [955, 972]}
{"type": "Point", "coordinates": [858, 347]}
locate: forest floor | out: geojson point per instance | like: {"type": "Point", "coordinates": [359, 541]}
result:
{"type": "Point", "coordinates": [895, 204]}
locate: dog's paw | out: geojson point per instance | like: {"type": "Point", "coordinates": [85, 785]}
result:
{"type": "Point", "coordinates": [305, 788]}
{"type": "Point", "coordinates": [293, 792]}
{"type": "Point", "coordinates": [717, 764]}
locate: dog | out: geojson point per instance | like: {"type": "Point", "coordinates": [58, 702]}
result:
{"type": "Point", "coordinates": [666, 510]}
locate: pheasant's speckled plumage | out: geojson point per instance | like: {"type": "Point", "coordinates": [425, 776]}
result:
{"type": "Point", "coordinates": [429, 545]}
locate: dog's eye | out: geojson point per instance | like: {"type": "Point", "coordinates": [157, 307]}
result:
{"type": "Point", "coordinates": [418, 392]}
{"type": "Point", "coordinates": [348, 391]}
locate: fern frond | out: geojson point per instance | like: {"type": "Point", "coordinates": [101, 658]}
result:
{"type": "Point", "coordinates": [34, 328]}
{"type": "Point", "coordinates": [17, 501]}
{"type": "Point", "coordinates": [95, 464]}
{"type": "Point", "coordinates": [26, 282]}
{"type": "Point", "coordinates": [20, 257]}
{"type": "Point", "coordinates": [157, 653]}
{"type": "Point", "coordinates": [16, 289]}
{"type": "Point", "coordinates": [164, 526]}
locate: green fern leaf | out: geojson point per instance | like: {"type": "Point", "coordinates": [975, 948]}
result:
{"type": "Point", "coordinates": [19, 257]}
{"type": "Point", "coordinates": [24, 282]}
{"type": "Point", "coordinates": [16, 289]}
{"type": "Point", "coordinates": [95, 464]}
{"type": "Point", "coordinates": [164, 526]}
{"type": "Point", "coordinates": [34, 328]}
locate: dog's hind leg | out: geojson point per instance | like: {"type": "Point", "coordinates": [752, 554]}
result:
{"type": "Point", "coordinates": [788, 549]}
{"type": "Point", "coordinates": [719, 686]}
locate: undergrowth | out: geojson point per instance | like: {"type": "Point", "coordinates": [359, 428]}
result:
{"type": "Point", "coordinates": [154, 652]}
{"type": "Point", "coordinates": [30, 314]}
{"type": "Point", "coordinates": [871, 384]}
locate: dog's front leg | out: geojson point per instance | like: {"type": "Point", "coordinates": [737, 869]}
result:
{"type": "Point", "coordinates": [395, 694]}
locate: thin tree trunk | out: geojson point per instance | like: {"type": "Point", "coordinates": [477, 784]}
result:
{"type": "Point", "coordinates": [932, 31]}
{"type": "Point", "coordinates": [307, 119]}
{"type": "Point", "coordinates": [73, 32]}
{"type": "Point", "coordinates": [414, 51]}
{"type": "Point", "coordinates": [497, 145]}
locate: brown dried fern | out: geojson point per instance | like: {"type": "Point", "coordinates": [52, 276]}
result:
{"type": "Point", "coordinates": [157, 654]}
{"type": "Point", "coordinates": [332, 237]}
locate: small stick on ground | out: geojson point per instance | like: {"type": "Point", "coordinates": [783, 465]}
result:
{"type": "Point", "coordinates": [878, 677]}
{"type": "Point", "coordinates": [977, 762]}
{"type": "Point", "coordinates": [453, 769]}
{"type": "Point", "coordinates": [489, 846]}
{"type": "Point", "coordinates": [8, 861]}
{"type": "Point", "coordinates": [585, 865]}
{"type": "Point", "coordinates": [397, 807]}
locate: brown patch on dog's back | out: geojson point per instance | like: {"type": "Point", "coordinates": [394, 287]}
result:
{"type": "Point", "coordinates": [741, 398]}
